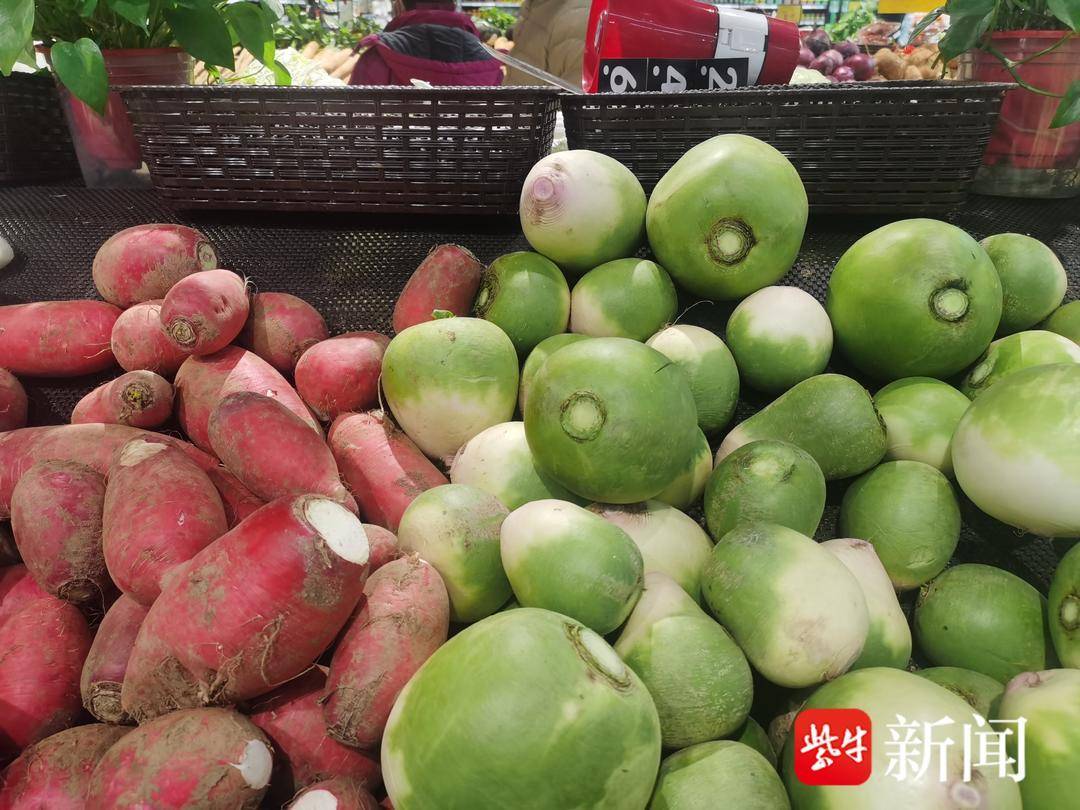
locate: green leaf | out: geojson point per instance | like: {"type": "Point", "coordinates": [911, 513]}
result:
{"type": "Point", "coordinates": [256, 34]}
{"type": "Point", "coordinates": [275, 8]}
{"type": "Point", "coordinates": [1068, 11]}
{"type": "Point", "coordinates": [81, 68]}
{"type": "Point", "coordinates": [968, 21]}
{"type": "Point", "coordinates": [16, 27]}
{"type": "Point", "coordinates": [135, 12]}
{"type": "Point", "coordinates": [1068, 112]}
{"type": "Point", "coordinates": [87, 7]}
{"type": "Point", "coordinates": [202, 32]}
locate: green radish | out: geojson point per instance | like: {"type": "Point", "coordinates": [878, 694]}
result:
{"type": "Point", "coordinates": [687, 487]}
{"type": "Point", "coordinates": [581, 209]}
{"type": "Point", "coordinates": [456, 529]}
{"type": "Point", "coordinates": [908, 511]}
{"type": "Point", "coordinates": [561, 557]}
{"type": "Point", "coordinates": [1065, 320]}
{"type": "Point", "coordinates": [722, 773]}
{"type": "Point", "coordinates": [526, 710]}
{"type": "Point", "coordinates": [830, 416]}
{"type": "Point", "coordinates": [1014, 352]}
{"type": "Point", "coordinates": [536, 358]}
{"type": "Point", "coordinates": [1033, 282]}
{"type": "Point", "coordinates": [977, 690]}
{"type": "Point", "coordinates": [779, 336]}
{"type": "Point", "coordinates": [1016, 451]}
{"type": "Point", "coordinates": [670, 541]}
{"type": "Point", "coordinates": [984, 619]}
{"type": "Point", "coordinates": [498, 460]}
{"type": "Point", "coordinates": [714, 378]}
{"type": "Point", "coordinates": [728, 218]}
{"type": "Point", "coordinates": [888, 642]}
{"type": "Point", "coordinates": [526, 296]}
{"type": "Point", "coordinates": [628, 298]}
{"type": "Point", "coordinates": [447, 379]}
{"type": "Point", "coordinates": [611, 420]}
{"type": "Point", "coordinates": [1049, 703]}
{"type": "Point", "coordinates": [917, 297]}
{"type": "Point", "coordinates": [1063, 608]}
{"type": "Point", "coordinates": [797, 612]}
{"type": "Point", "coordinates": [891, 698]}
{"type": "Point", "coordinates": [921, 415]}
{"type": "Point", "coordinates": [696, 674]}
{"type": "Point", "coordinates": [765, 481]}
{"type": "Point", "coordinates": [753, 735]}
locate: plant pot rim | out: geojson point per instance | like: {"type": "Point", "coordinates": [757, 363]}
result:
{"type": "Point", "coordinates": [125, 51]}
{"type": "Point", "coordinates": [1036, 33]}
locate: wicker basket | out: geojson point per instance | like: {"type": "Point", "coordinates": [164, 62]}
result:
{"type": "Point", "coordinates": [866, 147]}
{"type": "Point", "coordinates": [35, 144]}
{"type": "Point", "coordinates": [449, 150]}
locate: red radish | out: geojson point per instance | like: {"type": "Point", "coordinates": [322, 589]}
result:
{"type": "Point", "coordinates": [160, 510]}
{"type": "Point", "coordinates": [238, 500]}
{"type": "Point", "coordinates": [383, 545]}
{"type": "Point", "coordinates": [280, 327]}
{"type": "Point", "coordinates": [56, 516]}
{"type": "Point", "coordinates": [204, 312]}
{"type": "Point", "coordinates": [292, 718]}
{"type": "Point", "coordinates": [806, 56]}
{"type": "Point", "coordinates": [92, 445]}
{"type": "Point", "coordinates": [199, 758]}
{"type": "Point", "coordinates": [9, 552]}
{"type": "Point", "coordinates": [202, 382]}
{"type": "Point", "coordinates": [844, 74]}
{"type": "Point", "coordinates": [106, 663]}
{"type": "Point", "coordinates": [13, 402]}
{"type": "Point", "coordinates": [272, 450]}
{"type": "Point", "coordinates": [403, 619]}
{"type": "Point", "coordinates": [250, 611]}
{"type": "Point", "coordinates": [341, 374]}
{"type": "Point", "coordinates": [54, 774]}
{"type": "Point", "coordinates": [447, 279]}
{"type": "Point", "coordinates": [17, 590]}
{"type": "Point", "coordinates": [42, 649]}
{"type": "Point", "coordinates": [334, 794]}
{"type": "Point", "coordinates": [380, 465]}
{"type": "Point", "coordinates": [57, 338]}
{"type": "Point", "coordinates": [139, 341]}
{"type": "Point", "coordinates": [144, 262]}
{"type": "Point", "coordinates": [141, 399]}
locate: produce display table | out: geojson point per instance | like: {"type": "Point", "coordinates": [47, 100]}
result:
{"type": "Point", "coordinates": [351, 268]}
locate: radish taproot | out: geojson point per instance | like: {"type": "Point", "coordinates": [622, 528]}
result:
{"type": "Point", "coordinates": [1065, 320]}
{"type": "Point", "coordinates": [106, 663]}
{"type": "Point", "coordinates": [222, 632]}
{"type": "Point", "coordinates": [979, 691]}
{"type": "Point", "coordinates": [383, 546]}
{"type": "Point", "coordinates": [710, 368]}
{"type": "Point", "coordinates": [627, 298]}
{"type": "Point", "coordinates": [160, 510]}
{"type": "Point", "coordinates": [447, 279]}
{"type": "Point", "coordinates": [920, 416]}
{"type": "Point", "coordinates": [204, 312]}
{"type": "Point", "coordinates": [139, 342]}
{"type": "Point", "coordinates": [526, 296]}
{"type": "Point", "coordinates": [695, 777]}
{"type": "Point", "coordinates": [536, 359]}
{"type": "Point", "coordinates": [688, 485]}
{"type": "Point", "coordinates": [141, 399]}
{"type": "Point", "coordinates": [1033, 280]}
{"type": "Point", "coordinates": [752, 734]}
{"type": "Point", "coordinates": [57, 338]}
{"type": "Point", "coordinates": [335, 794]}
{"type": "Point", "coordinates": [403, 619]}
{"type": "Point", "coordinates": [380, 465]}
{"type": "Point", "coordinates": [237, 500]}
{"type": "Point", "coordinates": [448, 379]}
{"type": "Point", "coordinates": [17, 590]}
{"type": "Point", "coordinates": [212, 758]}
{"type": "Point", "coordinates": [341, 374]}
{"type": "Point", "coordinates": [456, 528]}
{"type": "Point", "coordinates": [280, 327]}
{"type": "Point", "coordinates": [56, 515]}
{"type": "Point", "coordinates": [13, 402]}
{"type": "Point", "coordinates": [202, 382]}
{"type": "Point", "coordinates": [54, 774]}
{"type": "Point", "coordinates": [144, 262]}
{"type": "Point", "coordinates": [273, 451]}
{"type": "Point", "coordinates": [1014, 352]}
{"type": "Point", "coordinates": [1063, 608]}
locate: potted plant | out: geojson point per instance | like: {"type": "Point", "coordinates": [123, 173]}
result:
{"type": "Point", "coordinates": [1035, 148]}
{"type": "Point", "coordinates": [91, 44]}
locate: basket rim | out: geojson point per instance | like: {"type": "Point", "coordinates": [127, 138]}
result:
{"type": "Point", "coordinates": [350, 89]}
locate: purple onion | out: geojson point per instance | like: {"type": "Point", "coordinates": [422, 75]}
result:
{"type": "Point", "coordinates": [846, 49]}
{"type": "Point", "coordinates": [862, 65]}
{"type": "Point", "coordinates": [835, 56]}
{"type": "Point", "coordinates": [818, 41]}
{"type": "Point", "coordinates": [844, 74]}
{"type": "Point", "coordinates": [806, 56]}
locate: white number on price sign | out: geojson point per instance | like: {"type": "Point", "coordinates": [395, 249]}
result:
{"type": "Point", "coordinates": [674, 81]}
{"type": "Point", "coordinates": [621, 80]}
{"type": "Point", "coordinates": [715, 81]}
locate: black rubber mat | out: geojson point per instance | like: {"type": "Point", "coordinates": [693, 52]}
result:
{"type": "Point", "coordinates": [351, 268]}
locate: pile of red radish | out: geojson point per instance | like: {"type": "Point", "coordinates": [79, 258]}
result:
{"type": "Point", "coordinates": [215, 604]}
{"type": "Point", "coordinates": [840, 61]}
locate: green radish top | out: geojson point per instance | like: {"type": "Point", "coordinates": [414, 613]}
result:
{"type": "Point", "coordinates": [526, 296]}
{"type": "Point", "coordinates": [1065, 320]}
{"type": "Point", "coordinates": [629, 298]}
{"type": "Point", "coordinates": [1014, 352]}
{"type": "Point", "coordinates": [1033, 281]}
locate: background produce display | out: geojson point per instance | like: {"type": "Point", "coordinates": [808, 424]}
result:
{"type": "Point", "coordinates": [434, 568]}
{"type": "Point", "coordinates": [846, 55]}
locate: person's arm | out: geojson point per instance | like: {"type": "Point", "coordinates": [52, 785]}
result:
{"type": "Point", "coordinates": [531, 39]}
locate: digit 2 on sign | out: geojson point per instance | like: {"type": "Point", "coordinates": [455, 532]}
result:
{"type": "Point", "coordinates": [715, 81]}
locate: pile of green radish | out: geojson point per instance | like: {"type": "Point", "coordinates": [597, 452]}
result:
{"type": "Point", "coordinates": [521, 554]}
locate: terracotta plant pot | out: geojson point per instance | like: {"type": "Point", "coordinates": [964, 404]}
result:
{"type": "Point", "coordinates": [106, 147]}
{"type": "Point", "coordinates": [1025, 157]}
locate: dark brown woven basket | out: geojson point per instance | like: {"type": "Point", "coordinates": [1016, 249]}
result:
{"type": "Point", "coordinates": [451, 150]}
{"type": "Point", "coordinates": [35, 144]}
{"type": "Point", "coordinates": [869, 147]}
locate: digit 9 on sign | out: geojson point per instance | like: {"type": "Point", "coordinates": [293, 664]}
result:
{"type": "Point", "coordinates": [621, 79]}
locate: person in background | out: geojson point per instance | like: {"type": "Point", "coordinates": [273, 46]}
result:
{"type": "Point", "coordinates": [427, 40]}
{"type": "Point", "coordinates": [550, 34]}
